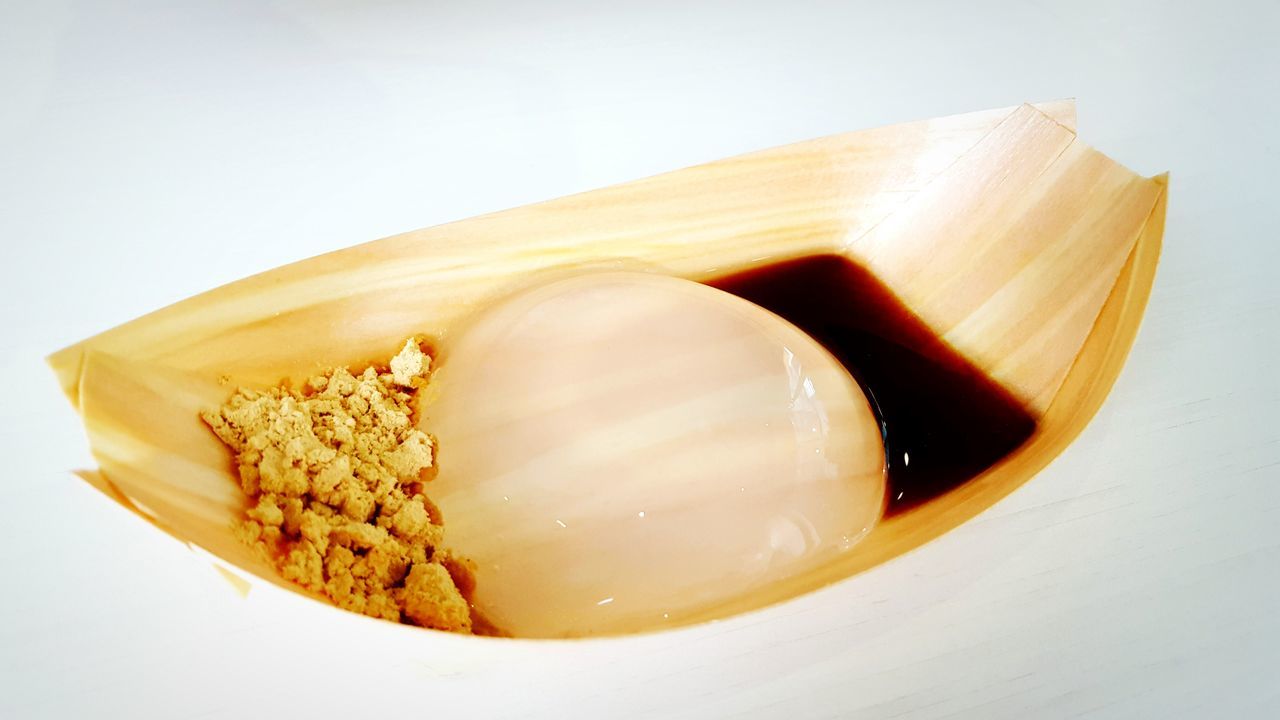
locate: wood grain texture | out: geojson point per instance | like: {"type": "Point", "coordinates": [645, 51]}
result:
{"type": "Point", "coordinates": [1081, 393]}
{"type": "Point", "coordinates": [348, 306]}
{"type": "Point", "coordinates": [1011, 251]}
{"type": "Point", "coordinates": [1001, 230]}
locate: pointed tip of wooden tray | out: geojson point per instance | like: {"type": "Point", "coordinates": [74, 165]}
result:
{"type": "Point", "coordinates": [67, 365]}
{"type": "Point", "coordinates": [1062, 111]}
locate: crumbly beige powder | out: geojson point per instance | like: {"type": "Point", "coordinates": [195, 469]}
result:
{"type": "Point", "coordinates": [336, 473]}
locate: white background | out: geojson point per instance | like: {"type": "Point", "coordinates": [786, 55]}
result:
{"type": "Point", "coordinates": [151, 150]}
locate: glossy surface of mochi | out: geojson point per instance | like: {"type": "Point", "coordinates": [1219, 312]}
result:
{"type": "Point", "coordinates": [619, 450]}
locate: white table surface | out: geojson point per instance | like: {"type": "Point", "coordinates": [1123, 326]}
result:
{"type": "Point", "coordinates": [151, 150]}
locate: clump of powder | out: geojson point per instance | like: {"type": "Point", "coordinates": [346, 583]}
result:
{"type": "Point", "coordinates": [335, 473]}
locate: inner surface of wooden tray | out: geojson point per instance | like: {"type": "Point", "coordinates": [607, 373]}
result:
{"type": "Point", "coordinates": [1027, 251]}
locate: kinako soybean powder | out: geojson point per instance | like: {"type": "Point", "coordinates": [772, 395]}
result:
{"type": "Point", "coordinates": [335, 474]}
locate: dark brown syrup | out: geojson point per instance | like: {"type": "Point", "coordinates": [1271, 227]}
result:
{"type": "Point", "coordinates": [944, 422]}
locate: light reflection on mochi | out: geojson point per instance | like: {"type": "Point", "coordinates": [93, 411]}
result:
{"type": "Point", "coordinates": [619, 450]}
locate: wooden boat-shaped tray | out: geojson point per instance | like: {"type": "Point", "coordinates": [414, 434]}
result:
{"type": "Point", "coordinates": [1026, 250]}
